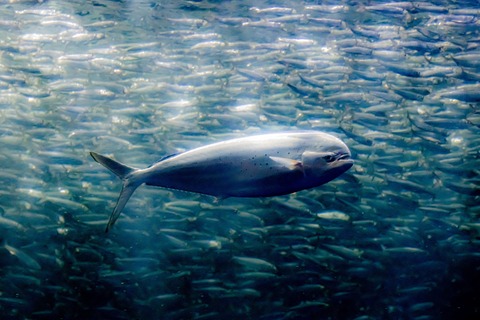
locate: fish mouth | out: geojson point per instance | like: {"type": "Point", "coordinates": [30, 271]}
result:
{"type": "Point", "coordinates": [345, 156]}
{"type": "Point", "coordinates": [345, 160]}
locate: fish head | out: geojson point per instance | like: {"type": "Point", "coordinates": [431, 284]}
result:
{"type": "Point", "coordinates": [327, 163]}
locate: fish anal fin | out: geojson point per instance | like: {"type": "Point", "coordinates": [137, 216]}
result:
{"type": "Point", "coordinates": [219, 199]}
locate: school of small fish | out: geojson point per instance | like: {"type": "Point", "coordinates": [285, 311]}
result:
{"type": "Point", "coordinates": [395, 237]}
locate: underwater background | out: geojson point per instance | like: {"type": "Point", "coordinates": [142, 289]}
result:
{"type": "Point", "coordinates": [396, 237]}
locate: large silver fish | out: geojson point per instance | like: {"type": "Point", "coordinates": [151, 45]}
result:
{"type": "Point", "coordinates": [256, 166]}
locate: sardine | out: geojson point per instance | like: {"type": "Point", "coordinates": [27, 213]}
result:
{"type": "Point", "coordinates": [256, 166]}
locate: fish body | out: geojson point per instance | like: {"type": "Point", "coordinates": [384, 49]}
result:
{"type": "Point", "coordinates": [255, 166]}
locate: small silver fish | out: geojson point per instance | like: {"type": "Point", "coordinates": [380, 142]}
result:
{"type": "Point", "coordinates": [256, 166]}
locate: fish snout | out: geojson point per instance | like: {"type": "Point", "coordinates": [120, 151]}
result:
{"type": "Point", "coordinates": [344, 161]}
{"type": "Point", "coordinates": [346, 158]}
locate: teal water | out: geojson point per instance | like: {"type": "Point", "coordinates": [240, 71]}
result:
{"type": "Point", "coordinates": [396, 237]}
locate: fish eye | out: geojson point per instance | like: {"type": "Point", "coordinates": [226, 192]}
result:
{"type": "Point", "coordinates": [329, 158]}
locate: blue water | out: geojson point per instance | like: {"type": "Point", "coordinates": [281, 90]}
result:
{"type": "Point", "coordinates": [397, 237]}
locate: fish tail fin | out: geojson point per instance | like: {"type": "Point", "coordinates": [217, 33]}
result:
{"type": "Point", "coordinates": [116, 167]}
{"type": "Point", "coordinates": [125, 173]}
{"type": "Point", "coordinates": [125, 194]}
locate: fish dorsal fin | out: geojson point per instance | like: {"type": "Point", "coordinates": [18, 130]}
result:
{"type": "Point", "coordinates": [165, 158]}
{"type": "Point", "coordinates": [290, 164]}
{"type": "Point", "coordinates": [169, 156]}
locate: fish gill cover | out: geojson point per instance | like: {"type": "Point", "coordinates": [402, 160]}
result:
{"type": "Point", "coordinates": [397, 237]}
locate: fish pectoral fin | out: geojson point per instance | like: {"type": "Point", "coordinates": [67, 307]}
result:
{"type": "Point", "coordinates": [290, 164]}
